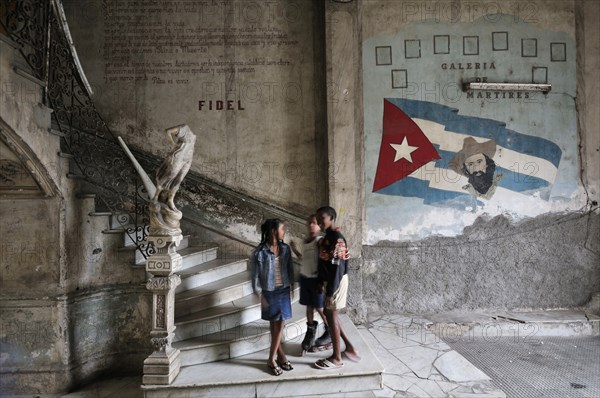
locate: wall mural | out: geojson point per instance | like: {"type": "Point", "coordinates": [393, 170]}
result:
{"type": "Point", "coordinates": [438, 155]}
{"type": "Point", "coordinates": [468, 162]}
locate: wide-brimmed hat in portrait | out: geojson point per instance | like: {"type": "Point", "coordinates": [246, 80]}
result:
{"type": "Point", "coordinates": [470, 148]}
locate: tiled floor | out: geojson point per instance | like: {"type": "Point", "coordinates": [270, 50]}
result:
{"type": "Point", "coordinates": [417, 364]}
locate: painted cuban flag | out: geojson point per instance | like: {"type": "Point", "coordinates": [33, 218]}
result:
{"type": "Point", "coordinates": [431, 152]}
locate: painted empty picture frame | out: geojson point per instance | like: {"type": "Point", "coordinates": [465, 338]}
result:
{"type": "Point", "coordinates": [441, 44]}
{"type": "Point", "coordinates": [470, 45]}
{"type": "Point", "coordinates": [500, 41]}
{"type": "Point", "coordinates": [558, 52]}
{"type": "Point", "coordinates": [383, 55]}
{"type": "Point", "coordinates": [539, 75]}
{"type": "Point", "coordinates": [529, 48]}
{"type": "Point", "coordinates": [399, 78]}
{"type": "Point", "coordinates": [412, 49]}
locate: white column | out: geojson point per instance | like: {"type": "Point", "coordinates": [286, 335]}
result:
{"type": "Point", "coordinates": [162, 366]}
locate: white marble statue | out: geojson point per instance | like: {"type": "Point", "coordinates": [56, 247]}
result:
{"type": "Point", "coordinates": [164, 216]}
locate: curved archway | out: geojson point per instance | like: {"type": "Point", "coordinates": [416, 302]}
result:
{"type": "Point", "coordinates": [21, 172]}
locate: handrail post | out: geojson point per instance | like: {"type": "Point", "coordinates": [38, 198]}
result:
{"type": "Point", "coordinates": [162, 366]}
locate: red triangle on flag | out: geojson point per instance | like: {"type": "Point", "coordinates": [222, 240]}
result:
{"type": "Point", "coordinates": [404, 147]}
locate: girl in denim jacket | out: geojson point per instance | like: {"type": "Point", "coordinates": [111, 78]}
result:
{"type": "Point", "coordinates": [273, 282]}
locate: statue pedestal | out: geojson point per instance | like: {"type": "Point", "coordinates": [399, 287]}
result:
{"type": "Point", "coordinates": [164, 260]}
{"type": "Point", "coordinates": [162, 366]}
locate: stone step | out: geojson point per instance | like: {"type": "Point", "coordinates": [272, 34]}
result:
{"type": "Point", "coordinates": [207, 269]}
{"type": "Point", "coordinates": [220, 318]}
{"type": "Point", "coordinates": [85, 195]}
{"type": "Point", "coordinates": [118, 221]}
{"type": "Point", "coordinates": [129, 243]}
{"type": "Point", "coordinates": [192, 256]}
{"type": "Point", "coordinates": [56, 132]}
{"type": "Point", "coordinates": [139, 258]}
{"type": "Point", "coordinates": [526, 325]}
{"type": "Point", "coordinates": [196, 256]}
{"type": "Point", "coordinates": [248, 375]}
{"type": "Point", "coordinates": [217, 319]}
{"type": "Point", "coordinates": [100, 214]}
{"type": "Point", "coordinates": [65, 155]}
{"type": "Point", "coordinates": [130, 232]}
{"type": "Point", "coordinates": [213, 294]}
{"type": "Point", "coordinates": [135, 236]}
{"type": "Point", "coordinates": [239, 340]}
{"type": "Point", "coordinates": [75, 176]}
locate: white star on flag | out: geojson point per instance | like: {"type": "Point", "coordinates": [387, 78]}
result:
{"type": "Point", "coordinates": [403, 150]}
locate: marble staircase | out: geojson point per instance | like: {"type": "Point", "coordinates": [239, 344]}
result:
{"type": "Point", "coordinates": [217, 319]}
{"type": "Point", "coordinates": [223, 343]}
{"type": "Point", "coordinates": [246, 375]}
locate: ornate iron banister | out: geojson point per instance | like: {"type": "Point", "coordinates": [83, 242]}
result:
{"type": "Point", "coordinates": [39, 28]}
{"type": "Point", "coordinates": [26, 22]}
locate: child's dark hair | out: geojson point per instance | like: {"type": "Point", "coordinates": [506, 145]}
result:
{"type": "Point", "coordinates": [268, 229]}
{"type": "Point", "coordinates": [330, 211]}
{"type": "Point", "coordinates": [309, 219]}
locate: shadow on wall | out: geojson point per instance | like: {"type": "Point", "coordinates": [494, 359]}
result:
{"type": "Point", "coordinates": [109, 331]}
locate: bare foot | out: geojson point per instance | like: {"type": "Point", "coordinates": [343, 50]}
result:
{"type": "Point", "coordinates": [352, 356]}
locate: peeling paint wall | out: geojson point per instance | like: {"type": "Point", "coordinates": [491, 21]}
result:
{"type": "Point", "coordinates": [34, 351]}
{"type": "Point", "coordinates": [432, 242]}
{"type": "Point", "coordinates": [72, 306]}
{"type": "Point", "coordinates": [109, 330]}
{"type": "Point", "coordinates": [546, 262]}
{"type": "Point", "coordinates": [245, 76]}
{"type": "Point", "coordinates": [532, 137]}
{"type": "Point", "coordinates": [33, 333]}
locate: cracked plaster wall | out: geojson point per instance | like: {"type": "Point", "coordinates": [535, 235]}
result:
{"type": "Point", "coordinates": [271, 145]}
{"type": "Point", "coordinates": [71, 305]}
{"type": "Point", "coordinates": [526, 255]}
{"type": "Point", "coordinates": [547, 262]}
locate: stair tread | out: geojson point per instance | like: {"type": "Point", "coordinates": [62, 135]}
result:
{"type": "Point", "coordinates": [196, 249]}
{"type": "Point", "coordinates": [100, 213]}
{"type": "Point", "coordinates": [122, 227]}
{"type": "Point", "coordinates": [231, 307]}
{"type": "Point", "coordinates": [240, 304]}
{"type": "Point", "coordinates": [251, 369]}
{"type": "Point", "coordinates": [85, 195]}
{"type": "Point", "coordinates": [131, 246]}
{"type": "Point", "coordinates": [241, 332]}
{"type": "Point", "coordinates": [206, 266]}
{"type": "Point", "coordinates": [188, 251]}
{"type": "Point", "coordinates": [210, 288]}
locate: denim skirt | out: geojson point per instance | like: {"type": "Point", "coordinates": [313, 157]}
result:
{"type": "Point", "coordinates": [276, 305]}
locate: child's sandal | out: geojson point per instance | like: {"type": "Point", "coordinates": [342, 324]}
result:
{"type": "Point", "coordinates": [275, 369]}
{"type": "Point", "coordinates": [287, 365]}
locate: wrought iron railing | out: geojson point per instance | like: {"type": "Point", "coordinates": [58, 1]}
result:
{"type": "Point", "coordinates": [27, 24]}
{"type": "Point", "coordinates": [39, 28]}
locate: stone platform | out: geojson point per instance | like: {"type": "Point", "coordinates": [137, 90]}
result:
{"type": "Point", "coordinates": [249, 376]}
{"type": "Point", "coordinates": [417, 361]}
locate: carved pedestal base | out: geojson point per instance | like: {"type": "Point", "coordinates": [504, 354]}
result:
{"type": "Point", "coordinates": [165, 260]}
{"type": "Point", "coordinates": [161, 367]}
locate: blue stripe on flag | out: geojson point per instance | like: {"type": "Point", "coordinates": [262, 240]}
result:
{"type": "Point", "coordinates": [414, 187]}
{"type": "Point", "coordinates": [480, 127]}
{"type": "Point", "coordinates": [410, 186]}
